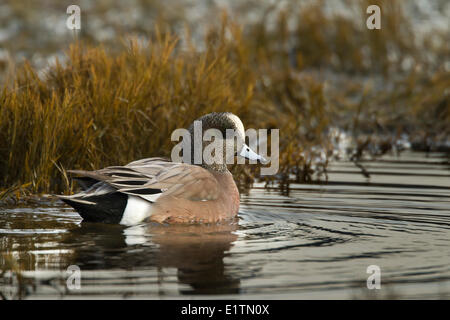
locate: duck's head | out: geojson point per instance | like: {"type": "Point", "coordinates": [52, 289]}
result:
{"type": "Point", "coordinates": [223, 132]}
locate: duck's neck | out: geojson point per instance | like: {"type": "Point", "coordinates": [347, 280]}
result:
{"type": "Point", "coordinates": [214, 167]}
{"type": "Point", "coordinates": [222, 168]}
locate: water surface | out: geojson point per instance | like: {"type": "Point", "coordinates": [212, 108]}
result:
{"type": "Point", "coordinates": [314, 242]}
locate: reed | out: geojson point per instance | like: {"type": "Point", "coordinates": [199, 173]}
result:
{"type": "Point", "coordinates": [100, 109]}
{"type": "Point", "coordinates": [108, 104]}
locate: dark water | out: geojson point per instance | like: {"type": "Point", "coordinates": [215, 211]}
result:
{"type": "Point", "coordinates": [315, 242]}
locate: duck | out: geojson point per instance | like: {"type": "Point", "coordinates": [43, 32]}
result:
{"type": "Point", "coordinates": [164, 191]}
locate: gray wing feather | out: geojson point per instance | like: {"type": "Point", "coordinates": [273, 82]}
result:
{"type": "Point", "coordinates": [149, 178]}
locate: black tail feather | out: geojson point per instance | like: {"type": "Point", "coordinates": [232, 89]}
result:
{"type": "Point", "coordinates": [106, 208]}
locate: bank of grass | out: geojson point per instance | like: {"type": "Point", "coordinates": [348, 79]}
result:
{"type": "Point", "coordinates": [100, 108]}
{"type": "Point", "coordinates": [110, 105]}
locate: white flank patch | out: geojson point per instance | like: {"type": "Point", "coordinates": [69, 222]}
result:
{"type": "Point", "coordinates": [136, 211]}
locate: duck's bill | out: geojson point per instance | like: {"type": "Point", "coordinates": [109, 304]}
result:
{"type": "Point", "coordinates": [248, 153]}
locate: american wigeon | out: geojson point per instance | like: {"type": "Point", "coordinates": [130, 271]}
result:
{"type": "Point", "coordinates": [156, 189]}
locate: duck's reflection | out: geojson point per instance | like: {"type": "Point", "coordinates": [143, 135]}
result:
{"type": "Point", "coordinates": [196, 251]}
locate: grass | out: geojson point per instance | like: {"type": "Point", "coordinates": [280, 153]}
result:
{"type": "Point", "coordinates": [108, 104]}
{"type": "Point", "coordinates": [101, 109]}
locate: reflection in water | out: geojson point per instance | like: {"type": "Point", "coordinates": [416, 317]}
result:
{"type": "Point", "coordinates": [316, 242]}
{"type": "Point", "coordinates": [196, 251]}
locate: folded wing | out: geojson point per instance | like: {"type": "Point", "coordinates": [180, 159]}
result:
{"type": "Point", "coordinates": [152, 177]}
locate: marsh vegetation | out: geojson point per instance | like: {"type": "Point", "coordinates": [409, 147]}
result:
{"type": "Point", "coordinates": [317, 76]}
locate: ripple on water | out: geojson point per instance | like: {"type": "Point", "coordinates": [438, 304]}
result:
{"type": "Point", "coordinates": [315, 242]}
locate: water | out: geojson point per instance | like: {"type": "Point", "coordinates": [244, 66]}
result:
{"type": "Point", "coordinates": [315, 242]}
